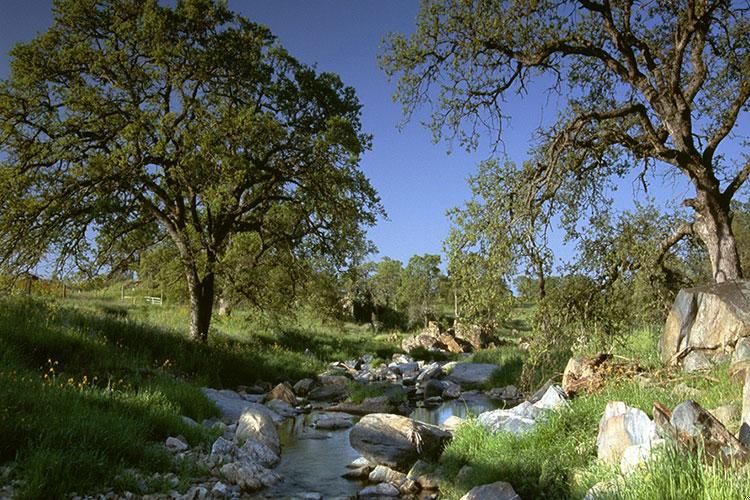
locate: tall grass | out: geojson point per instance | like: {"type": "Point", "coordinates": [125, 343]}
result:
{"type": "Point", "coordinates": [91, 388]}
{"type": "Point", "coordinates": [557, 459]}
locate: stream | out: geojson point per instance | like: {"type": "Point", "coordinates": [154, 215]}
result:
{"type": "Point", "coordinates": [313, 461]}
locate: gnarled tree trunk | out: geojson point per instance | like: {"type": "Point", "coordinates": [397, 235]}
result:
{"type": "Point", "coordinates": [713, 225]}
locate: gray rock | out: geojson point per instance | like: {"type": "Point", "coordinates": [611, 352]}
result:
{"type": "Point", "coordinates": [176, 444]}
{"type": "Point", "coordinates": [429, 372]}
{"type": "Point", "coordinates": [383, 474]}
{"type": "Point", "coordinates": [434, 388]}
{"type": "Point", "coordinates": [257, 423]}
{"type": "Point", "coordinates": [304, 386]}
{"type": "Point", "coordinates": [696, 361]}
{"type": "Point", "coordinates": [360, 462]}
{"type": "Point", "coordinates": [249, 475]}
{"type": "Point", "coordinates": [220, 490]}
{"type": "Point", "coordinates": [189, 421]}
{"type": "Point", "coordinates": [622, 426]}
{"type": "Point", "coordinates": [230, 404]}
{"type": "Point", "coordinates": [332, 421]}
{"type": "Point", "coordinates": [452, 423]}
{"type": "Point", "coordinates": [222, 447]}
{"type": "Point", "coordinates": [331, 392]}
{"type": "Point", "coordinates": [695, 427]}
{"type": "Point", "coordinates": [727, 414]}
{"type": "Point", "coordinates": [396, 441]}
{"type": "Point", "coordinates": [257, 452]}
{"type": "Point", "coordinates": [522, 418]}
{"type": "Point", "coordinates": [379, 491]}
{"type": "Point", "coordinates": [493, 491]}
{"type": "Point", "coordinates": [403, 368]}
{"type": "Point", "coordinates": [472, 374]}
{"type": "Point", "coordinates": [452, 390]}
{"type": "Point", "coordinates": [282, 408]}
{"type": "Point", "coordinates": [709, 318]}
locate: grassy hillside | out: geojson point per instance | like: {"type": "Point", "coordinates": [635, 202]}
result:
{"type": "Point", "coordinates": [91, 388]}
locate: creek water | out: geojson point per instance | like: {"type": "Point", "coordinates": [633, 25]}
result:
{"type": "Point", "coordinates": [313, 461]}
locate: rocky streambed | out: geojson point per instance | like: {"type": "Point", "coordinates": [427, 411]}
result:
{"type": "Point", "coordinates": [310, 440]}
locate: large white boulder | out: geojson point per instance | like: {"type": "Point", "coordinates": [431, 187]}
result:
{"type": "Point", "coordinates": [620, 427]}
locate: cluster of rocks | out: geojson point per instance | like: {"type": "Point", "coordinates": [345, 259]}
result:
{"type": "Point", "coordinates": [627, 438]}
{"type": "Point", "coordinates": [394, 448]}
{"type": "Point", "coordinates": [459, 339]}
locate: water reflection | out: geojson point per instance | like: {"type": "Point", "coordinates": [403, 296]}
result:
{"type": "Point", "coordinates": [468, 404]}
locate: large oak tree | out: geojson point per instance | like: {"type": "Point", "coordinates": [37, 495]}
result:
{"type": "Point", "coordinates": [128, 119]}
{"type": "Point", "coordinates": [646, 84]}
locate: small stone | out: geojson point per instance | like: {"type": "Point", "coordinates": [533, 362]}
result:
{"type": "Point", "coordinates": [727, 414]}
{"type": "Point", "coordinates": [383, 474]}
{"type": "Point", "coordinates": [283, 392]}
{"type": "Point", "coordinates": [452, 423]}
{"type": "Point", "coordinates": [176, 444]}
{"type": "Point", "coordinates": [220, 490]}
{"type": "Point", "coordinates": [304, 386]}
{"type": "Point", "coordinates": [696, 361]}
{"type": "Point", "coordinates": [379, 490]}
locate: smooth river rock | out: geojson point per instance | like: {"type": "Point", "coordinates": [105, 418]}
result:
{"type": "Point", "coordinates": [395, 441]}
{"type": "Point", "coordinates": [472, 374]}
{"type": "Point", "coordinates": [257, 423]}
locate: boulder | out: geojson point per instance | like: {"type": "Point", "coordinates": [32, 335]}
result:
{"type": "Point", "coordinates": [396, 441]}
{"type": "Point", "coordinates": [434, 388]}
{"type": "Point", "coordinates": [451, 344]}
{"type": "Point", "coordinates": [710, 319]}
{"type": "Point", "coordinates": [259, 453]}
{"type": "Point", "coordinates": [622, 426]}
{"type": "Point", "coordinates": [472, 374]}
{"type": "Point", "coordinates": [694, 427]}
{"type": "Point", "coordinates": [230, 403]}
{"type": "Point", "coordinates": [452, 423]}
{"type": "Point", "coordinates": [257, 423]}
{"type": "Point", "coordinates": [493, 491]}
{"type": "Point", "coordinates": [476, 336]}
{"type": "Point", "coordinates": [430, 371]}
{"type": "Point", "coordinates": [283, 392]}
{"type": "Point", "coordinates": [282, 408]}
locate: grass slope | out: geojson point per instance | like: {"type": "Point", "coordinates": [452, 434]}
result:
{"type": "Point", "coordinates": [91, 388]}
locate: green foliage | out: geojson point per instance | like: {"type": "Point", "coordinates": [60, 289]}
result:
{"type": "Point", "coordinates": [419, 291]}
{"type": "Point", "coordinates": [143, 124]}
{"type": "Point", "coordinates": [119, 377]}
{"type": "Point", "coordinates": [490, 241]}
{"type": "Point", "coordinates": [616, 119]}
{"type": "Point", "coordinates": [510, 361]}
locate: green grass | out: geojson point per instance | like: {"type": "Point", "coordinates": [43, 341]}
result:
{"type": "Point", "coordinates": [509, 360]}
{"type": "Point", "coordinates": [551, 460]}
{"type": "Point", "coordinates": [92, 387]}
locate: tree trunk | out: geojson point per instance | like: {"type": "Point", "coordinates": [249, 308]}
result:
{"type": "Point", "coordinates": [201, 305]}
{"type": "Point", "coordinates": [713, 225]}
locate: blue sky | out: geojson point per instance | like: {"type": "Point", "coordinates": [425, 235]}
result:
{"type": "Point", "coordinates": [416, 179]}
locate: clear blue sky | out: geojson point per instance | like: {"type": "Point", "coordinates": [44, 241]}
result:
{"type": "Point", "coordinates": [416, 179]}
